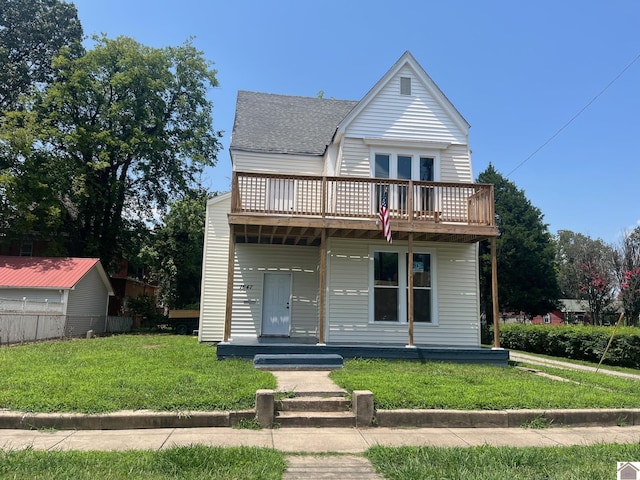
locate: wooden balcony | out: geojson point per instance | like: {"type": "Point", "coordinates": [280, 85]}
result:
{"type": "Point", "coordinates": [295, 210]}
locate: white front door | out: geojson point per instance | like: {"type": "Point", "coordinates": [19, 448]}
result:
{"type": "Point", "coordinates": [276, 312]}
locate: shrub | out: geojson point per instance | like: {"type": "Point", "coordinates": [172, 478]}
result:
{"type": "Point", "coordinates": [576, 342]}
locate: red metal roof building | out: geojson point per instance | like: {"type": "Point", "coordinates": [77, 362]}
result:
{"type": "Point", "coordinates": [45, 297]}
{"type": "Point", "coordinates": [45, 272]}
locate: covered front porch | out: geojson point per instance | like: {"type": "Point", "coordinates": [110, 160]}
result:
{"type": "Point", "coordinates": [249, 347]}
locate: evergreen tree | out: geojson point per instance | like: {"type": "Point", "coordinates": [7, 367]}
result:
{"type": "Point", "coordinates": [527, 279]}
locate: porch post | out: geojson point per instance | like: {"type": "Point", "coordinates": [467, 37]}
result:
{"type": "Point", "coordinates": [410, 286]}
{"type": "Point", "coordinates": [322, 285]}
{"type": "Point", "coordinates": [494, 293]}
{"type": "Point", "coordinates": [230, 271]}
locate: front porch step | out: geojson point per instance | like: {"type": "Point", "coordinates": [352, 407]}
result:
{"type": "Point", "coordinates": [313, 404]}
{"type": "Point", "coordinates": [298, 361]}
{"type": "Point", "coordinates": [315, 419]}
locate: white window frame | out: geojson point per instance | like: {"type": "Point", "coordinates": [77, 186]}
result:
{"type": "Point", "coordinates": [393, 154]}
{"type": "Point", "coordinates": [402, 252]}
{"type": "Point", "coordinates": [415, 161]}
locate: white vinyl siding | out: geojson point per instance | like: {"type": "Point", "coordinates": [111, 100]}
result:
{"type": "Point", "coordinates": [279, 164]}
{"type": "Point", "coordinates": [87, 306]}
{"type": "Point", "coordinates": [456, 319]}
{"type": "Point", "coordinates": [89, 296]}
{"type": "Point", "coordinates": [252, 262]}
{"type": "Point", "coordinates": [214, 270]}
{"type": "Point", "coordinates": [458, 301]}
{"type": "Point", "coordinates": [33, 294]}
{"type": "Point", "coordinates": [355, 160]}
{"type": "Point", "coordinates": [418, 116]}
{"type": "Point", "coordinates": [453, 163]}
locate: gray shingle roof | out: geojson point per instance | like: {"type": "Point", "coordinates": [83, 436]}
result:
{"type": "Point", "coordinates": [271, 123]}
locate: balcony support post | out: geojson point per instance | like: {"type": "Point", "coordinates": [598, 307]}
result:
{"type": "Point", "coordinates": [230, 272]}
{"type": "Point", "coordinates": [322, 285]}
{"type": "Point", "coordinates": [410, 285]}
{"type": "Point", "coordinates": [494, 293]}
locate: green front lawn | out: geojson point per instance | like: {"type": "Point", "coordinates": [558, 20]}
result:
{"type": "Point", "coordinates": [156, 372]}
{"type": "Point", "coordinates": [175, 373]}
{"type": "Point", "coordinates": [397, 384]}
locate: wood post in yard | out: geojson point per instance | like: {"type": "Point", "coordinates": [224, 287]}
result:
{"type": "Point", "coordinates": [322, 284]}
{"type": "Point", "coordinates": [410, 285]}
{"type": "Point", "coordinates": [230, 272]}
{"type": "Point", "coordinates": [494, 293]}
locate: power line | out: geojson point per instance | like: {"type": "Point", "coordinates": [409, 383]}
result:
{"type": "Point", "coordinates": [576, 115]}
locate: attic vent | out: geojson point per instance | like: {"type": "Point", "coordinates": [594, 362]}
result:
{"type": "Point", "coordinates": [405, 85]}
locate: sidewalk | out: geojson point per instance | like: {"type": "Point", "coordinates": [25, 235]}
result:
{"type": "Point", "coordinates": [535, 360]}
{"type": "Point", "coordinates": [313, 440]}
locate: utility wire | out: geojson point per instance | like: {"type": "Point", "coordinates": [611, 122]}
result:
{"type": "Point", "coordinates": [576, 115]}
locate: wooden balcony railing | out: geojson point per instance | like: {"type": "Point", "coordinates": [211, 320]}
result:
{"type": "Point", "coordinates": [359, 198]}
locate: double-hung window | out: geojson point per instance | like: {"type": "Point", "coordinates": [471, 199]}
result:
{"type": "Point", "coordinates": [390, 287]}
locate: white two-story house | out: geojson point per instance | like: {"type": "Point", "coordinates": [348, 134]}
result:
{"type": "Point", "coordinates": [296, 250]}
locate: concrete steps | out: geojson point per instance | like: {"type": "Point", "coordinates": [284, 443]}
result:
{"type": "Point", "coordinates": [301, 361]}
{"type": "Point", "coordinates": [328, 409]}
{"type": "Point", "coordinates": [315, 419]}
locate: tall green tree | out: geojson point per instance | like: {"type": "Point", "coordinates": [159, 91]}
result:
{"type": "Point", "coordinates": [527, 279]}
{"type": "Point", "coordinates": [628, 271]}
{"type": "Point", "coordinates": [175, 251]}
{"type": "Point", "coordinates": [32, 33]}
{"type": "Point", "coordinates": [122, 131]}
{"type": "Point", "coordinates": [586, 271]}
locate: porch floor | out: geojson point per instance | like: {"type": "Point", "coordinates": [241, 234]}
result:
{"type": "Point", "coordinates": [248, 348]}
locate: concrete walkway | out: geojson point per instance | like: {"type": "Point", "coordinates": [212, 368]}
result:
{"type": "Point", "coordinates": [535, 360]}
{"type": "Point", "coordinates": [313, 440]}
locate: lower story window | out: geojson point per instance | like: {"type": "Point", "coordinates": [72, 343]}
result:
{"type": "Point", "coordinates": [390, 279]}
{"type": "Point", "coordinates": [386, 287]}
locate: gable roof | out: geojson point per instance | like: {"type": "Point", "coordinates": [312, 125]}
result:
{"type": "Point", "coordinates": [286, 124]}
{"type": "Point", "coordinates": [407, 59]}
{"type": "Point", "coordinates": [47, 272]}
{"type": "Point", "coordinates": [270, 123]}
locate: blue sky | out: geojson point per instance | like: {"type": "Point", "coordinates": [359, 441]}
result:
{"type": "Point", "coordinates": [517, 71]}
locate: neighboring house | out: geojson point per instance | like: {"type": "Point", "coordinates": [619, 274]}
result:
{"type": "Point", "coordinates": [570, 311]}
{"type": "Point", "coordinates": [556, 317]}
{"type": "Point", "coordinates": [296, 251]}
{"type": "Point", "coordinates": [44, 297]}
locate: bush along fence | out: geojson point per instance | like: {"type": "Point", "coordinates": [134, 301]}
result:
{"type": "Point", "coordinates": [576, 342]}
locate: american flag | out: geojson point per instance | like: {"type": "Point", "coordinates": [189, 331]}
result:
{"type": "Point", "coordinates": [384, 219]}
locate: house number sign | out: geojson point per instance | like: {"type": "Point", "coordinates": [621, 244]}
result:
{"type": "Point", "coordinates": [246, 287]}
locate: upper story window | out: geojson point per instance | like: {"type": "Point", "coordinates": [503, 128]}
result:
{"type": "Point", "coordinates": [405, 85]}
{"type": "Point", "coordinates": [405, 166]}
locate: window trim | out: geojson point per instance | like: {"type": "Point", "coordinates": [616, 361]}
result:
{"type": "Point", "coordinates": [403, 281]}
{"type": "Point", "coordinates": [415, 155]}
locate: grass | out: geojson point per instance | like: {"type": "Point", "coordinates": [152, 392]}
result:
{"type": "Point", "coordinates": [594, 462]}
{"type": "Point", "coordinates": [597, 380]}
{"type": "Point", "coordinates": [397, 384]}
{"type": "Point", "coordinates": [175, 373]}
{"type": "Point", "coordinates": [128, 372]}
{"type": "Point", "coordinates": [194, 462]}
{"type": "Point", "coordinates": [604, 366]}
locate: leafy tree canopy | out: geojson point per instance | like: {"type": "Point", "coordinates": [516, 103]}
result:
{"type": "Point", "coordinates": [32, 33]}
{"type": "Point", "coordinates": [627, 264]}
{"type": "Point", "coordinates": [526, 270]}
{"type": "Point", "coordinates": [586, 271]}
{"type": "Point", "coordinates": [175, 251]}
{"type": "Point", "coordinates": [121, 131]}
